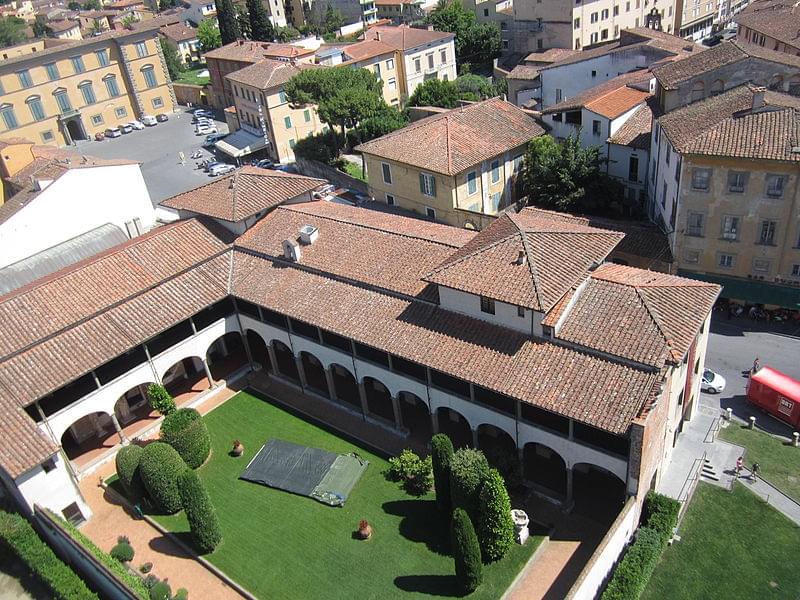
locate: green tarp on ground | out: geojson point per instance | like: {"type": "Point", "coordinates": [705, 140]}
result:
{"type": "Point", "coordinates": [752, 292]}
{"type": "Point", "coordinates": [325, 476]}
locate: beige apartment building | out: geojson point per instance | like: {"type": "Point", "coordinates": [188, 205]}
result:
{"type": "Point", "coordinates": [383, 60]}
{"type": "Point", "coordinates": [265, 117]}
{"type": "Point", "coordinates": [773, 24]}
{"type": "Point", "coordinates": [447, 168]}
{"type": "Point", "coordinates": [70, 91]}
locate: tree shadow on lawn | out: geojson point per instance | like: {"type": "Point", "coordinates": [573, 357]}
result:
{"type": "Point", "coordinates": [167, 544]}
{"type": "Point", "coordinates": [433, 585]}
{"type": "Point", "coordinates": [421, 523]}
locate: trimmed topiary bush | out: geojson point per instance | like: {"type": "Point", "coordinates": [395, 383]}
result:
{"type": "Point", "coordinates": [466, 552]}
{"type": "Point", "coordinates": [468, 470]}
{"type": "Point", "coordinates": [160, 399]}
{"type": "Point", "coordinates": [495, 526]}
{"type": "Point", "coordinates": [661, 514]}
{"type": "Point", "coordinates": [200, 513]}
{"type": "Point", "coordinates": [186, 431]}
{"type": "Point", "coordinates": [161, 591]}
{"type": "Point", "coordinates": [415, 472]}
{"type": "Point", "coordinates": [127, 462]}
{"type": "Point", "coordinates": [159, 467]}
{"type": "Point", "coordinates": [181, 594]}
{"type": "Point", "coordinates": [123, 551]}
{"type": "Point", "coordinates": [441, 455]}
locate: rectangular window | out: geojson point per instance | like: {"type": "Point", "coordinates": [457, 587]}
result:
{"type": "Point", "coordinates": [141, 49]}
{"type": "Point", "coordinates": [121, 112]}
{"type": "Point", "coordinates": [795, 270]}
{"type": "Point", "coordinates": [376, 68]}
{"type": "Point", "coordinates": [730, 227]}
{"type": "Point", "coordinates": [282, 97]}
{"type": "Point", "coordinates": [37, 110]}
{"type": "Point", "coordinates": [593, 18]}
{"type": "Point", "coordinates": [604, 34]}
{"type": "Point", "coordinates": [9, 118]}
{"type": "Point", "coordinates": [25, 78]}
{"type": "Point", "coordinates": [111, 86]}
{"type": "Point", "coordinates": [616, 10]}
{"type": "Point", "coordinates": [701, 179]}
{"type": "Point", "coordinates": [307, 116]}
{"type": "Point", "coordinates": [77, 64]}
{"type": "Point", "coordinates": [604, 14]}
{"type": "Point", "coordinates": [430, 60]}
{"type": "Point", "coordinates": [596, 127]}
{"type": "Point", "coordinates": [767, 235]}
{"type": "Point", "coordinates": [559, 95]}
{"type": "Point", "coordinates": [427, 184]}
{"type": "Point", "coordinates": [576, 24]}
{"type": "Point", "coordinates": [390, 64]}
{"type": "Point", "coordinates": [149, 77]}
{"type": "Point", "coordinates": [472, 182]}
{"type": "Point", "coordinates": [633, 168]}
{"type": "Point", "coordinates": [97, 119]}
{"type": "Point", "coordinates": [392, 83]}
{"type": "Point", "coordinates": [292, 143]}
{"type": "Point", "coordinates": [387, 173]}
{"type": "Point", "coordinates": [417, 65]}
{"type": "Point", "coordinates": [695, 225]}
{"type": "Point", "coordinates": [52, 71]}
{"type": "Point", "coordinates": [725, 261]}
{"type": "Point", "coordinates": [775, 186]}
{"type": "Point", "coordinates": [157, 102]}
{"type": "Point", "coordinates": [102, 58]}
{"type": "Point", "coordinates": [495, 171]}
{"type": "Point", "coordinates": [63, 102]}
{"type": "Point", "coordinates": [287, 122]}
{"type": "Point", "coordinates": [443, 56]}
{"type": "Point", "coordinates": [88, 94]}
{"type": "Point", "coordinates": [521, 311]}
{"type": "Point", "coordinates": [389, 199]}
{"type": "Point", "coordinates": [692, 256]}
{"type": "Point", "coordinates": [737, 180]}
{"type": "Point", "coordinates": [430, 213]}
{"type": "Point", "coordinates": [487, 305]}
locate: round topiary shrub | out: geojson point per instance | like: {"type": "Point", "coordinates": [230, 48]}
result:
{"type": "Point", "coordinates": [122, 551]}
{"type": "Point", "coordinates": [495, 526]}
{"type": "Point", "coordinates": [161, 591]}
{"type": "Point", "coordinates": [159, 468]}
{"type": "Point", "coordinates": [441, 455]}
{"type": "Point", "coordinates": [468, 470]}
{"type": "Point", "coordinates": [127, 462]}
{"type": "Point", "coordinates": [466, 552]}
{"type": "Point", "coordinates": [200, 513]}
{"type": "Point", "coordinates": [186, 431]}
{"type": "Point", "coordinates": [181, 594]}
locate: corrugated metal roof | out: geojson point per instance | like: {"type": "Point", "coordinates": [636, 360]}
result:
{"type": "Point", "coordinates": [59, 256]}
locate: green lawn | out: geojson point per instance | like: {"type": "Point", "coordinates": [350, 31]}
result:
{"type": "Point", "coordinates": [190, 76]}
{"type": "Point", "coordinates": [353, 170]}
{"type": "Point", "coordinates": [280, 545]}
{"type": "Point", "coordinates": [779, 460]}
{"type": "Point", "coordinates": [733, 545]}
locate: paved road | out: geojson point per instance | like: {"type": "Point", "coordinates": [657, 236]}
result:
{"type": "Point", "coordinates": [157, 148]}
{"type": "Point", "coordinates": [732, 346]}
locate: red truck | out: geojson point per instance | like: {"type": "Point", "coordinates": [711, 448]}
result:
{"type": "Point", "coordinates": [776, 393]}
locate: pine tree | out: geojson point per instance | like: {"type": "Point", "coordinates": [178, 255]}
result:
{"type": "Point", "coordinates": [441, 455]}
{"type": "Point", "coordinates": [495, 526]}
{"type": "Point", "coordinates": [260, 26]}
{"type": "Point", "coordinates": [466, 552]}
{"type": "Point", "coordinates": [226, 17]}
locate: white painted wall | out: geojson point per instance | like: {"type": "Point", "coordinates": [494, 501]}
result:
{"type": "Point", "coordinates": [443, 70]}
{"type": "Point", "coordinates": [77, 202]}
{"type": "Point", "coordinates": [505, 314]}
{"type": "Point", "coordinates": [54, 490]}
{"type": "Point", "coordinates": [664, 183]}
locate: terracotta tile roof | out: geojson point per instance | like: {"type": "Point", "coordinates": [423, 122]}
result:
{"type": "Point", "coordinates": [635, 132]}
{"type": "Point", "coordinates": [247, 51]}
{"type": "Point", "coordinates": [179, 32]}
{"type": "Point", "coordinates": [558, 254]}
{"type": "Point", "coordinates": [403, 37]}
{"type": "Point", "coordinates": [672, 74]}
{"type": "Point", "coordinates": [726, 125]}
{"type": "Point", "coordinates": [25, 446]}
{"type": "Point", "coordinates": [367, 49]}
{"type": "Point", "coordinates": [587, 388]}
{"type": "Point", "coordinates": [617, 102]}
{"type": "Point", "coordinates": [13, 141]}
{"type": "Point", "coordinates": [396, 2]}
{"type": "Point", "coordinates": [777, 19]}
{"type": "Point", "coordinates": [640, 315]}
{"type": "Point", "coordinates": [524, 72]}
{"type": "Point", "coordinates": [62, 26]}
{"type": "Point", "coordinates": [267, 74]}
{"type": "Point", "coordinates": [243, 193]}
{"type": "Point", "coordinates": [356, 244]}
{"type": "Point", "coordinates": [453, 141]}
{"type": "Point", "coordinates": [550, 55]}
{"type": "Point", "coordinates": [638, 81]}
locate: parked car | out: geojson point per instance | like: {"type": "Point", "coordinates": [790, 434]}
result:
{"type": "Point", "coordinates": [713, 383]}
{"type": "Point", "coordinates": [137, 125]}
{"type": "Point", "coordinates": [161, 118]}
{"type": "Point", "coordinates": [149, 120]}
{"type": "Point", "coordinates": [212, 139]}
{"type": "Point", "coordinates": [211, 164]}
{"type": "Point", "coordinates": [99, 136]}
{"type": "Point", "coordinates": [206, 130]}
{"type": "Point", "coordinates": [125, 128]}
{"type": "Point", "coordinates": [265, 163]}
{"type": "Point", "coordinates": [221, 169]}
{"type": "Point", "coordinates": [112, 132]}
{"type": "Point", "coordinates": [201, 111]}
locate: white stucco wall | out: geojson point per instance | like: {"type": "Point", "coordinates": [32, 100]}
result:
{"type": "Point", "coordinates": [664, 176]}
{"type": "Point", "coordinates": [505, 314]}
{"type": "Point", "coordinates": [77, 202]}
{"type": "Point", "coordinates": [441, 69]}
{"type": "Point", "coordinates": [54, 490]}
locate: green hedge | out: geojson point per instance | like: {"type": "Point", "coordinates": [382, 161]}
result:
{"type": "Point", "coordinates": [200, 512]}
{"type": "Point", "coordinates": [17, 534]}
{"type": "Point", "coordinates": [159, 467]}
{"type": "Point", "coordinates": [468, 470]}
{"type": "Point", "coordinates": [186, 431]}
{"type": "Point", "coordinates": [134, 583]}
{"type": "Point", "coordinates": [633, 572]}
{"type": "Point", "coordinates": [441, 455]}
{"type": "Point", "coordinates": [127, 462]}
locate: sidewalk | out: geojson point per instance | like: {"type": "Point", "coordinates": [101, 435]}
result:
{"type": "Point", "coordinates": [774, 497]}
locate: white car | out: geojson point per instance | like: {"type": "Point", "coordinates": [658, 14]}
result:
{"type": "Point", "coordinates": [221, 169]}
{"type": "Point", "coordinates": [149, 120]}
{"type": "Point", "coordinates": [212, 139]}
{"type": "Point", "coordinates": [206, 130]}
{"type": "Point", "coordinates": [138, 125]}
{"type": "Point", "coordinates": [113, 132]}
{"type": "Point", "coordinates": [713, 383]}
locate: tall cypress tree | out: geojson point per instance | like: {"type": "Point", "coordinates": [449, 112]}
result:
{"type": "Point", "coordinates": [226, 17]}
{"type": "Point", "coordinates": [260, 26]}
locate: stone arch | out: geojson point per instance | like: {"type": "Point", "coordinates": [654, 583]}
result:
{"type": "Point", "coordinates": [284, 357]}
{"type": "Point", "coordinates": [185, 374]}
{"type": "Point", "coordinates": [717, 87]}
{"type": "Point", "coordinates": [379, 399]}
{"type": "Point", "coordinates": [597, 491]}
{"type": "Point", "coordinates": [258, 349]}
{"type": "Point", "coordinates": [545, 468]}
{"type": "Point", "coordinates": [415, 415]}
{"type": "Point", "coordinates": [455, 425]}
{"type": "Point", "coordinates": [314, 373]}
{"type": "Point", "coordinates": [88, 437]}
{"type": "Point", "coordinates": [345, 387]}
{"type": "Point", "coordinates": [698, 91]}
{"type": "Point", "coordinates": [133, 405]}
{"type": "Point", "coordinates": [226, 354]}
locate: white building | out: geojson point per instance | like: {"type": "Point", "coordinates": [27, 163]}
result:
{"type": "Point", "coordinates": [58, 195]}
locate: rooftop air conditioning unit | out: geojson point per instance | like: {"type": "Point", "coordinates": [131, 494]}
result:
{"type": "Point", "coordinates": [308, 234]}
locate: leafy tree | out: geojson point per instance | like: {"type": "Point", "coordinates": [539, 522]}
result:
{"type": "Point", "coordinates": [466, 552]}
{"type": "Point", "coordinates": [260, 26]}
{"type": "Point", "coordinates": [474, 87]}
{"type": "Point", "coordinates": [226, 18]}
{"type": "Point", "coordinates": [495, 526]}
{"type": "Point", "coordinates": [167, 4]}
{"type": "Point", "coordinates": [159, 467]}
{"type": "Point", "coordinates": [566, 177]}
{"type": "Point", "coordinates": [441, 455]}
{"type": "Point", "coordinates": [40, 27]}
{"type": "Point", "coordinates": [286, 34]}
{"type": "Point", "coordinates": [468, 470]}
{"type": "Point", "coordinates": [174, 65]}
{"type": "Point", "coordinates": [483, 43]}
{"type": "Point", "coordinates": [92, 5]}
{"type": "Point", "coordinates": [209, 35]}
{"type": "Point", "coordinates": [333, 20]}
{"type": "Point", "coordinates": [74, 5]}
{"type": "Point", "coordinates": [475, 42]}
{"type": "Point", "coordinates": [414, 472]}
{"type": "Point", "coordinates": [12, 31]}
{"type": "Point", "coordinates": [435, 92]}
{"type": "Point", "coordinates": [160, 399]}
{"type": "Point", "coordinates": [388, 120]}
{"type": "Point", "coordinates": [200, 513]}
{"type": "Point", "coordinates": [127, 22]}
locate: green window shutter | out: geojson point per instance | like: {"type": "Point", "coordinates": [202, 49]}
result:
{"type": "Point", "coordinates": [421, 183]}
{"type": "Point", "coordinates": [433, 185]}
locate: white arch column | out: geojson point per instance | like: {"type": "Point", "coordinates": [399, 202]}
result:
{"type": "Point", "coordinates": [331, 384]}
{"type": "Point", "coordinates": [398, 415]}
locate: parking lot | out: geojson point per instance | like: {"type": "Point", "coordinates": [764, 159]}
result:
{"type": "Point", "coordinates": [158, 148]}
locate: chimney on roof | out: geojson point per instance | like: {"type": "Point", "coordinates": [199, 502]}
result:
{"type": "Point", "coordinates": [378, 35]}
{"type": "Point", "coordinates": [522, 258]}
{"type": "Point", "coordinates": [758, 97]}
{"type": "Point", "coordinates": [291, 250]}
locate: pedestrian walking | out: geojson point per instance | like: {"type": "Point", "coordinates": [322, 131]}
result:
{"type": "Point", "coordinates": [756, 365]}
{"type": "Point", "coordinates": [755, 470]}
{"type": "Point", "coordinates": [739, 466]}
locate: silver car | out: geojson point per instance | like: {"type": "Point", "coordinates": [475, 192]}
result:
{"type": "Point", "coordinates": [221, 169]}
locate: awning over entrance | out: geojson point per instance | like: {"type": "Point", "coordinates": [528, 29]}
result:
{"type": "Point", "coordinates": [752, 292]}
{"type": "Point", "coordinates": [241, 143]}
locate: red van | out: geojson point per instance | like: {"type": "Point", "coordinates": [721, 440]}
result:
{"type": "Point", "coordinates": [776, 393]}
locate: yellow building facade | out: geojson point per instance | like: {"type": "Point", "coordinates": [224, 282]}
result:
{"type": "Point", "coordinates": [72, 91]}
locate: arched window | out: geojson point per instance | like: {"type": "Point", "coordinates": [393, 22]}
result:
{"type": "Point", "coordinates": [698, 91]}
{"type": "Point", "coordinates": [62, 98]}
{"type": "Point", "coordinates": [9, 118]}
{"type": "Point", "coordinates": [717, 87]}
{"type": "Point", "coordinates": [88, 92]}
{"type": "Point", "coordinates": [149, 76]}
{"type": "Point", "coordinates": [111, 85]}
{"type": "Point", "coordinates": [35, 105]}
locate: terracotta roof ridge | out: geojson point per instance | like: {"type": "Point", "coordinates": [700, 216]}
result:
{"type": "Point", "coordinates": [233, 179]}
{"type": "Point", "coordinates": [449, 154]}
{"type": "Point", "coordinates": [532, 268]}
{"type": "Point", "coordinates": [654, 315]}
{"type": "Point", "coordinates": [476, 252]}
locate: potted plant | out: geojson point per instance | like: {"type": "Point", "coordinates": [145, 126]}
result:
{"type": "Point", "coordinates": [238, 448]}
{"type": "Point", "coordinates": [364, 531]}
